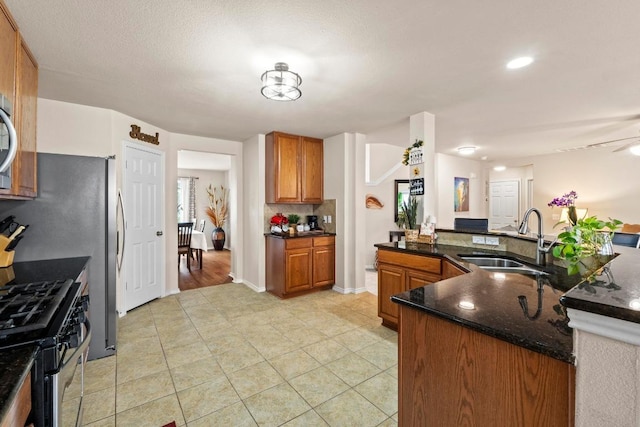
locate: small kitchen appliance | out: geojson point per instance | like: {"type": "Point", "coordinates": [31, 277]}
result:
{"type": "Point", "coordinates": [312, 221]}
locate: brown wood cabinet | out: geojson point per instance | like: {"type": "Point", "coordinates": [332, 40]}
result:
{"type": "Point", "coordinates": [450, 375]}
{"type": "Point", "coordinates": [299, 265]}
{"type": "Point", "coordinates": [24, 178]}
{"type": "Point", "coordinates": [18, 410]}
{"type": "Point", "coordinates": [294, 169]}
{"type": "Point", "coordinates": [19, 83]}
{"type": "Point", "coordinates": [399, 272]}
{"type": "Point", "coordinates": [449, 270]}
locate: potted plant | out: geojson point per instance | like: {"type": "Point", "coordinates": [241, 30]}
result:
{"type": "Point", "coordinates": [293, 221]}
{"type": "Point", "coordinates": [217, 212]}
{"type": "Point", "coordinates": [586, 246]}
{"type": "Point", "coordinates": [407, 219]}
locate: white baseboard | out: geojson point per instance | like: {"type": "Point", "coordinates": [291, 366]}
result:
{"type": "Point", "coordinates": [252, 286]}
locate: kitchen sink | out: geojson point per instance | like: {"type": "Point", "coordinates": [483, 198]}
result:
{"type": "Point", "coordinates": [501, 264]}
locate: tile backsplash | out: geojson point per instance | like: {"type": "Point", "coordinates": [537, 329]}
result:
{"type": "Point", "coordinates": [328, 208]}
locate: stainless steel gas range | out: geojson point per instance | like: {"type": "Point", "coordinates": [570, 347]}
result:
{"type": "Point", "coordinates": [51, 315]}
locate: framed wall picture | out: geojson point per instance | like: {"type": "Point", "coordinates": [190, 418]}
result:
{"type": "Point", "coordinates": [460, 194]}
{"type": "Point", "coordinates": [402, 191]}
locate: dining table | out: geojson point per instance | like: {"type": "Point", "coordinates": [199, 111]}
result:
{"type": "Point", "coordinates": [199, 244]}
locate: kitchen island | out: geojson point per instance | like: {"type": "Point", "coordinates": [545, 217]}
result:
{"type": "Point", "coordinates": [496, 340]}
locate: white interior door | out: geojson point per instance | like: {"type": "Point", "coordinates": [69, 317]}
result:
{"type": "Point", "coordinates": [144, 206]}
{"type": "Point", "coordinates": [504, 199]}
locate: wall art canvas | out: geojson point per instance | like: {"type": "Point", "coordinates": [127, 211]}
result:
{"type": "Point", "coordinates": [460, 194]}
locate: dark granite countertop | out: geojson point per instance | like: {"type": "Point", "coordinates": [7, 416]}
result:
{"type": "Point", "coordinates": [496, 297]}
{"type": "Point", "coordinates": [38, 271]}
{"type": "Point", "coordinates": [299, 235]}
{"type": "Point", "coordinates": [614, 291]}
{"type": "Point", "coordinates": [15, 364]}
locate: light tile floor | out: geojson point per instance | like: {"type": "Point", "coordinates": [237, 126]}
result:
{"type": "Point", "coordinates": [228, 356]}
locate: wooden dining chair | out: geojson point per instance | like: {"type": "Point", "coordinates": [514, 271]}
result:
{"type": "Point", "coordinates": [201, 225]}
{"type": "Point", "coordinates": [184, 241]}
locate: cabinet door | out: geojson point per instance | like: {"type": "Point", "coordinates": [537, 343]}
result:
{"type": "Point", "coordinates": [416, 279]}
{"type": "Point", "coordinates": [312, 178]}
{"type": "Point", "coordinates": [25, 176]}
{"type": "Point", "coordinates": [450, 270]}
{"type": "Point", "coordinates": [8, 51]}
{"type": "Point", "coordinates": [287, 168]}
{"type": "Point", "coordinates": [298, 270]}
{"type": "Point", "coordinates": [324, 265]}
{"type": "Point", "coordinates": [391, 281]}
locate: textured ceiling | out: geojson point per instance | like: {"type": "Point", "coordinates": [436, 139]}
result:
{"type": "Point", "coordinates": [193, 67]}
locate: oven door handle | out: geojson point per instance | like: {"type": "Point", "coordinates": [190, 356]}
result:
{"type": "Point", "coordinates": [68, 369]}
{"type": "Point", "coordinates": [65, 376]}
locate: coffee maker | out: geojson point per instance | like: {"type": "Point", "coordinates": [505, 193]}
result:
{"type": "Point", "coordinates": [312, 221]}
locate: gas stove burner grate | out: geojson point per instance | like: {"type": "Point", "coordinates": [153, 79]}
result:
{"type": "Point", "coordinates": [30, 306]}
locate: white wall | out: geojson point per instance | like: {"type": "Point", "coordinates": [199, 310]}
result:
{"type": "Point", "coordinates": [335, 187]}
{"type": "Point", "coordinates": [383, 171]}
{"type": "Point", "coordinates": [447, 168]}
{"type": "Point", "coordinates": [606, 183]}
{"type": "Point", "coordinates": [215, 179]}
{"type": "Point", "coordinates": [253, 214]}
{"type": "Point", "coordinates": [66, 128]}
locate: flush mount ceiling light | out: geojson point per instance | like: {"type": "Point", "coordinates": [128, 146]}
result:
{"type": "Point", "coordinates": [280, 84]}
{"type": "Point", "coordinates": [635, 150]}
{"type": "Point", "coordinates": [466, 151]}
{"type": "Point", "coordinates": [499, 168]}
{"type": "Point", "coordinates": [516, 63]}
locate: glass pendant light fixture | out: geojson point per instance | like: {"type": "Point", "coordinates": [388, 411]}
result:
{"type": "Point", "coordinates": [280, 84]}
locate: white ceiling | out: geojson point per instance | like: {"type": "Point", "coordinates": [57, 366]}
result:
{"type": "Point", "coordinates": [194, 67]}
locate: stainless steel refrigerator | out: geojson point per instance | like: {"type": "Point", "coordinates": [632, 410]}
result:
{"type": "Point", "coordinates": [75, 215]}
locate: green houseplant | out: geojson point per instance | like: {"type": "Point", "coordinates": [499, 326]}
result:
{"type": "Point", "coordinates": [581, 245]}
{"type": "Point", "coordinates": [407, 218]}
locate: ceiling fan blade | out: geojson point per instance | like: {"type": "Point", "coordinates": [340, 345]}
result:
{"type": "Point", "coordinates": [605, 143]}
{"type": "Point", "coordinates": [625, 146]}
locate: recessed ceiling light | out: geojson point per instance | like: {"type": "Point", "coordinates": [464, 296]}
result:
{"type": "Point", "coordinates": [465, 151]}
{"type": "Point", "coordinates": [635, 150]}
{"type": "Point", "coordinates": [499, 168]}
{"type": "Point", "coordinates": [523, 61]}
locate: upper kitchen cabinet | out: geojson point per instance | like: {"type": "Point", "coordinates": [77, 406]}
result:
{"type": "Point", "coordinates": [19, 84]}
{"type": "Point", "coordinates": [8, 53]}
{"type": "Point", "coordinates": [294, 169]}
{"type": "Point", "coordinates": [24, 178]}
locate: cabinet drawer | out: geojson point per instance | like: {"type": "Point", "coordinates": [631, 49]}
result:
{"type": "Point", "coordinates": [324, 241]}
{"type": "Point", "coordinates": [418, 262]}
{"type": "Point", "coordinates": [300, 242]}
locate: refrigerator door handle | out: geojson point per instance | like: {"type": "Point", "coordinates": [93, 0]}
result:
{"type": "Point", "coordinates": [120, 247]}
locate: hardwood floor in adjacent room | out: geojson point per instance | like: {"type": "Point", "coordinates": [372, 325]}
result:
{"type": "Point", "coordinates": [216, 266]}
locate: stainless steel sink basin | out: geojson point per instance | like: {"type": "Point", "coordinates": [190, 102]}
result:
{"type": "Point", "coordinates": [501, 264]}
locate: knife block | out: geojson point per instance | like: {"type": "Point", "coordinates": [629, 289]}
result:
{"type": "Point", "coordinates": [6, 257]}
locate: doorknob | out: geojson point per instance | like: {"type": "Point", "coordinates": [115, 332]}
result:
{"type": "Point", "coordinates": [158, 233]}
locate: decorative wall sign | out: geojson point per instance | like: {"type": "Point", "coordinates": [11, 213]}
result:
{"type": "Point", "coordinates": [460, 194]}
{"type": "Point", "coordinates": [416, 187]}
{"type": "Point", "coordinates": [136, 134]}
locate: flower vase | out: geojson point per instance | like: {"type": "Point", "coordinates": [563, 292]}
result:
{"type": "Point", "coordinates": [572, 215]}
{"type": "Point", "coordinates": [218, 237]}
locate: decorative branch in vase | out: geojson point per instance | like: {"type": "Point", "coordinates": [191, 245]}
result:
{"type": "Point", "coordinates": [217, 211]}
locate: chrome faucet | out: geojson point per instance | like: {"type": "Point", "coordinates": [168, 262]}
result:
{"type": "Point", "coordinates": [541, 249]}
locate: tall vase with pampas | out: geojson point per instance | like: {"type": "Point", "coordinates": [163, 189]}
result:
{"type": "Point", "coordinates": [217, 212]}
